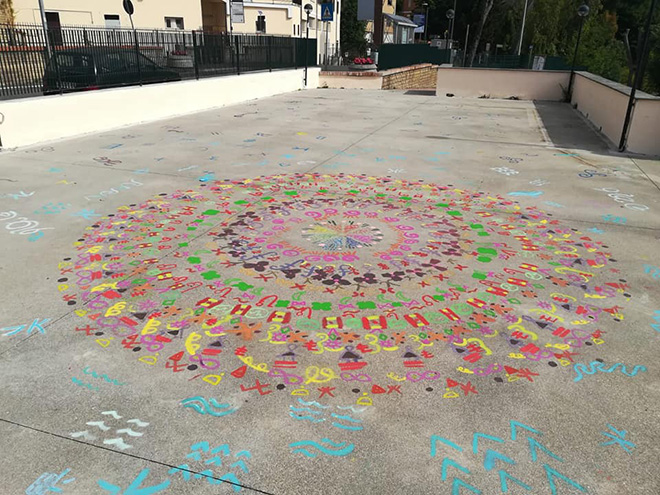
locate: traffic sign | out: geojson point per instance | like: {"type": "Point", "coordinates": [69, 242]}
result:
{"type": "Point", "coordinates": [327, 11]}
{"type": "Point", "coordinates": [128, 7]}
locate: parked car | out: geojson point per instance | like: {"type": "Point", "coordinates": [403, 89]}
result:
{"type": "Point", "coordinates": [94, 68]}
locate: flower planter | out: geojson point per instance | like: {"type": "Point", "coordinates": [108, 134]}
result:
{"type": "Point", "coordinates": [180, 61]}
{"type": "Point", "coordinates": [362, 67]}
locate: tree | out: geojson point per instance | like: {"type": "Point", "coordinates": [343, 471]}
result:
{"type": "Point", "coordinates": [7, 12]}
{"type": "Point", "coordinates": [353, 41]}
{"type": "Point", "coordinates": [486, 6]}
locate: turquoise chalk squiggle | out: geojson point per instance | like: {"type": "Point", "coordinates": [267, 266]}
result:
{"type": "Point", "coordinates": [105, 377]}
{"type": "Point", "coordinates": [596, 366]}
{"type": "Point", "coordinates": [322, 448]}
{"type": "Point", "coordinates": [83, 384]}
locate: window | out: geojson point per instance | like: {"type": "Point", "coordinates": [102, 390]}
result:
{"type": "Point", "coordinates": [112, 21]}
{"type": "Point", "coordinates": [337, 7]}
{"type": "Point", "coordinates": [294, 29]}
{"type": "Point", "coordinates": [174, 22]}
{"type": "Point", "coordinates": [389, 2]}
{"type": "Point", "coordinates": [261, 24]}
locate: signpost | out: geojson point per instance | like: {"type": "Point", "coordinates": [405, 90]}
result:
{"type": "Point", "coordinates": [237, 12]}
{"type": "Point", "coordinates": [327, 12]}
{"type": "Point", "coordinates": [129, 9]}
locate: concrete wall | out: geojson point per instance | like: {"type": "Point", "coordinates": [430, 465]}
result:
{"type": "Point", "coordinates": [604, 104]}
{"type": "Point", "coordinates": [148, 13]}
{"type": "Point", "coordinates": [502, 83]}
{"type": "Point", "coordinates": [35, 120]}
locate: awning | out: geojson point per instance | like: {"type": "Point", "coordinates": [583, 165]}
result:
{"type": "Point", "coordinates": [400, 20]}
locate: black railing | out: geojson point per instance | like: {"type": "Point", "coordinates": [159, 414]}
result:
{"type": "Point", "coordinates": [84, 58]}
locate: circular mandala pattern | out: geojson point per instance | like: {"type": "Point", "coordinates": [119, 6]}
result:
{"type": "Point", "coordinates": [343, 283]}
{"type": "Point", "coordinates": [345, 235]}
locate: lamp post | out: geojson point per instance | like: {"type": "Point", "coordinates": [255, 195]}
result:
{"type": "Point", "coordinates": [450, 16]}
{"type": "Point", "coordinates": [639, 75]}
{"type": "Point", "coordinates": [44, 24]}
{"type": "Point", "coordinates": [583, 12]}
{"type": "Point", "coordinates": [453, 21]}
{"type": "Point", "coordinates": [426, 21]}
{"type": "Point", "coordinates": [308, 11]}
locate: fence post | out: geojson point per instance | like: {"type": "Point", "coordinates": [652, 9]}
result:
{"type": "Point", "coordinates": [195, 61]}
{"type": "Point", "coordinates": [270, 65]}
{"type": "Point", "coordinates": [137, 56]}
{"type": "Point", "coordinates": [238, 57]}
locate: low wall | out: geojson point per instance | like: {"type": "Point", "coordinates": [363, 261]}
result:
{"type": "Point", "coordinates": [350, 80]}
{"type": "Point", "coordinates": [502, 83]}
{"type": "Point", "coordinates": [47, 118]}
{"type": "Point", "coordinates": [604, 104]}
{"type": "Point", "coordinates": [420, 76]}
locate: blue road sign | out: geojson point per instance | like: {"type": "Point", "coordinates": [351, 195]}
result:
{"type": "Point", "coordinates": [327, 11]}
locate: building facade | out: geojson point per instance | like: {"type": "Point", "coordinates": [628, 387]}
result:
{"type": "Point", "coordinates": [274, 17]}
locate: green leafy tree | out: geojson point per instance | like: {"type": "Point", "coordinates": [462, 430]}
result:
{"type": "Point", "coordinates": [353, 41]}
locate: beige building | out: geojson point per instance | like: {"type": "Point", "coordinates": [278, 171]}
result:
{"type": "Point", "coordinates": [284, 18]}
{"type": "Point", "coordinates": [274, 17]}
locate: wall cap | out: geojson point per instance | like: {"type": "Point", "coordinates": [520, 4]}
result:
{"type": "Point", "coordinates": [621, 88]}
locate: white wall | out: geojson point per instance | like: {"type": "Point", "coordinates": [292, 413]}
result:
{"type": "Point", "coordinates": [605, 103]}
{"type": "Point", "coordinates": [502, 83]}
{"type": "Point", "coordinates": [47, 118]}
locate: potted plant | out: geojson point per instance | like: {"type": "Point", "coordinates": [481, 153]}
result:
{"type": "Point", "coordinates": [180, 59]}
{"type": "Point", "coordinates": [362, 63]}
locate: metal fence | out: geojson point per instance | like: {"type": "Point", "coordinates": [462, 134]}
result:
{"type": "Point", "coordinates": [83, 58]}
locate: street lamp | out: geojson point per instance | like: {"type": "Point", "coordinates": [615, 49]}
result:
{"type": "Point", "coordinates": [450, 16]}
{"type": "Point", "coordinates": [453, 21]}
{"type": "Point", "coordinates": [308, 11]}
{"type": "Point", "coordinates": [426, 21]}
{"type": "Point", "coordinates": [582, 12]}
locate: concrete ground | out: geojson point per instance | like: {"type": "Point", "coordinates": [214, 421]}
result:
{"type": "Point", "coordinates": [332, 292]}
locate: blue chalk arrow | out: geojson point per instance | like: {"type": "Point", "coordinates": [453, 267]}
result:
{"type": "Point", "coordinates": [434, 443]}
{"type": "Point", "coordinates": [450, 462]}
{"type": "Point", "coordinates": [506, 476]}
{"type": "Point", "coordinates": [534, 444]}
{"type": "Point", "coordinates": [514, 433]}
{"type": "Point", "coordinates": [477, 436]}
{"type": "Point", "coordinates": [552, 474]}
{"type": "Point", "coordinates": [458, 483]}
{"type": "Point", "coordinates": [492, 456]}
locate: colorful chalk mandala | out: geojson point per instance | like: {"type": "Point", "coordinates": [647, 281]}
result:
{"type": "Point", "coordinates": [343, 284]}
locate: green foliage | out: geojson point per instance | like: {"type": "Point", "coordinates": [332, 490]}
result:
{"type": "Point", "coordinates": [352, 30]}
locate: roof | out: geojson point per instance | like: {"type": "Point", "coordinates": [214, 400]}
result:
{"type": "Point", "coordinates": [400, 20]}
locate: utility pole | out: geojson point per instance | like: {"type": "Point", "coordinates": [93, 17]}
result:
{"type": "Point", "coordinates": [522, 29]}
